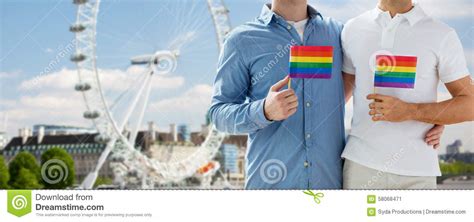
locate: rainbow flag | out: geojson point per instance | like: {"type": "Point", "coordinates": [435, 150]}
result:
{"type": "Point", "coordinates": [313, 62]}
{"type": "Point", "coordinates": [395, 71]}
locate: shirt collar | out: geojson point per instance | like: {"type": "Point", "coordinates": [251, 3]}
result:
{"type": "Point", "coordinates": [267, 15]}
{"type": "Point", "coordinates": [413, 16]}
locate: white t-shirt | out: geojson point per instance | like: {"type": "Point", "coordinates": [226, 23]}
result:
{"type": "Point", "coordinates": [398, 148]}
{"type": "Point", "coordinates": [299, 26]}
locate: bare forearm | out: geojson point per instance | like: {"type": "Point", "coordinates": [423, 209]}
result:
{"type": "Point", "coordinates": [456, 110]}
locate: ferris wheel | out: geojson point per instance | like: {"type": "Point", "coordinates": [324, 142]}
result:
{"type": "Point", "coordinates": [118, 116]}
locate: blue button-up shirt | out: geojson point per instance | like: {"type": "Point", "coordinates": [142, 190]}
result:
{"type": "Point", "coordinates": [303, 151]}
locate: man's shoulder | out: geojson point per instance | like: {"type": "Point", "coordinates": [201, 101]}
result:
{"type": "Point", "coordinates": [241, 32]}
{"type": "Point", "coordinates": [332, 23]}
{"type": "Point", "coordinates": [435, 25]}
{"type": "Point", "coordinates": [358, 20]}
{"type": "Point", "coordinates": [354, 25]}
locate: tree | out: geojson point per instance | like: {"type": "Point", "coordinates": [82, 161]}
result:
{"type": "Point", "coordinates": [22, 163]}
{"type": "Point", "coordinates": [4, 174]}
{"type": "Point", "coordinates": [57, 169]}
{"type": "Point", "coordinates": [26, 179]}
{"type": "Point", "coordinates": [457, 168]}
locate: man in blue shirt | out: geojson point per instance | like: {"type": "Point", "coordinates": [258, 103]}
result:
{"type": "Point", "coordinates": [296, 135]}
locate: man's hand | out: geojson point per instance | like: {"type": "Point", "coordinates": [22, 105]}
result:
{"type": "Point", "coordinates": [433, 136]}
{"type": "Point", "coordinates": [391, 109]}
{"type": "Point", "coordinates": [279, 105]}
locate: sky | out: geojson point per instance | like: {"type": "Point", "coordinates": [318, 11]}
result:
{"type": "Point", "coordinates": [37, 78]}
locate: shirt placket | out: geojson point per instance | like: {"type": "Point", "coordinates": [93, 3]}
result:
{"type": "Point", "coordinates": [308, 103]}
{"type": "Point", "coordinates": [306, 108]}
{"type": "Point", "coordinates": [389, 31]}
{"type": "Point", "coordinates": [308, 113]}
{"type": "Point", "coordinates": [291, 30]}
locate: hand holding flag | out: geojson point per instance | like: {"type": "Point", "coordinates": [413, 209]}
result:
{"type": "Point", "coordinates": [390, 108]}
{"type": "Point", "coordinates": [393, 72]}
{"type": "Point", "coordinates": [280, 105]}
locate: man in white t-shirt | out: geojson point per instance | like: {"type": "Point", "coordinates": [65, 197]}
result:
{"type": "Point", "coordinates": [386, 147]}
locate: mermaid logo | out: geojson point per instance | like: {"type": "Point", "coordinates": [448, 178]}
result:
{"type": "Point", "coordinates": [19, 202]}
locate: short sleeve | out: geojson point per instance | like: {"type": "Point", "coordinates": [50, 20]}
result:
{"type": "Point", "coordinates": [451, 59]}
{"type": "Point", "coordinates": [347, 65]}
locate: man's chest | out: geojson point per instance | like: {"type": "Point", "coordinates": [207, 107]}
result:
{"type": "Point", "coordinates": [269, 59]}
{"type": "Point", "coordinates": [367, 50]}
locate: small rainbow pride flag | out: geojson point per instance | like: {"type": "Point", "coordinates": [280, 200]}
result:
{"type": "Point", "coordinates": [395, 71]}
{"type": "Point", "coordinates": [314, 62]}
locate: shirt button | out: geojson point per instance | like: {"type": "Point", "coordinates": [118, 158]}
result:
{"type": "Point", "coordinates": [288, 27]}
{"type": "Point", "coordinates": [306, 164]}
{"type": "Point", "coordinates": [308, 104]}
{"type": "Point", "coordinates": [308, 136]}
